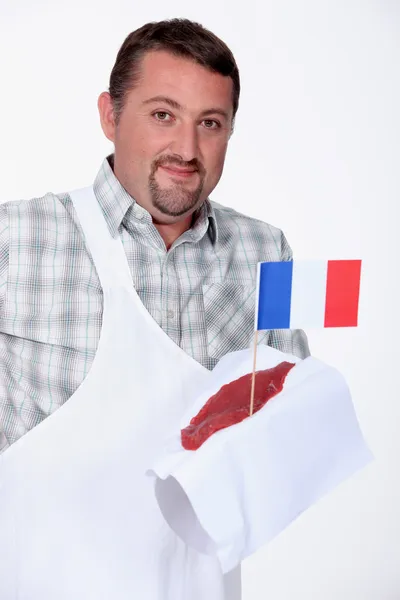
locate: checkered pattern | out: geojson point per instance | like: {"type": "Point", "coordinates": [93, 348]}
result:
{"type": "Point", "coordinates": [201, 292]}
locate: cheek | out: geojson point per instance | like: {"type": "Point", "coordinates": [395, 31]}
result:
{"type": "Point", "coordinates": [215, 161]}
{"type": "Point", "coordinates": [139, 154]}
{"type": "Point", "coordinates": [137, 143]}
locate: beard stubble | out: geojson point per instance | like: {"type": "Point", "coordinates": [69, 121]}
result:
{"type": "Point", "coordinates": [175, 200]}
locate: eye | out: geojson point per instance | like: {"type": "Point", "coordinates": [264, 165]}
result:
{"type": "Point", "coordinates": [161, 115]}
{"type": "Point", "coordinates": [211, 124]}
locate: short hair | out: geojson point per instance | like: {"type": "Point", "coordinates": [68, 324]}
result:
{"type": "Point", "coordinates": [180, 37]}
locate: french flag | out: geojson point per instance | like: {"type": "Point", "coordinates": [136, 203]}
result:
{"type": "Point", "coordinates": [307, 294]}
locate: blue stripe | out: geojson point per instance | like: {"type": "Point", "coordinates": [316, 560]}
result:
{"type": "Point", "coordinates": [275, 290]}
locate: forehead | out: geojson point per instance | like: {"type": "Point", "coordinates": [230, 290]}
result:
{"type": "Point", "coordinates": [187, 82]}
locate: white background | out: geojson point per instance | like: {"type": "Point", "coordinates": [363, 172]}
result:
{"type": "Point", "coordinates": [315, 152]}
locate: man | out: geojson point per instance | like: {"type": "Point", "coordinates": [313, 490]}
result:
{"type": "Point", "coordinates": [114, 306]}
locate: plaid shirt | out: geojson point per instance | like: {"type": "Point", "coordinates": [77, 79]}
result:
{"type": "Point", "coordinates": [201, 292]}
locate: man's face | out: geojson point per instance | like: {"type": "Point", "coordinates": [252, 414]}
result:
{"type": "Point", "coordinates": [172, 136]}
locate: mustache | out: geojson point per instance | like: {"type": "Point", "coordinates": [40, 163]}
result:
{"type": "Point", "coordinates": [166, 161]}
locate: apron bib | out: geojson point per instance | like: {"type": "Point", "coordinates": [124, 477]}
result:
{"type": "Point", "coordinates": [78, 515]}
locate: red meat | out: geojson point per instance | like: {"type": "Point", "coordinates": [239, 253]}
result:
{"type": "Point", "coordinates": [231, 404]}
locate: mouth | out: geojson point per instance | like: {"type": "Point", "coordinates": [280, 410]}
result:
{"type": "Point", "coordinates": [179, 172]}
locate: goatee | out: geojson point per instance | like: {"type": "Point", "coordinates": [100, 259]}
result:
{"type": "Point", "coordinates": [175, 200]}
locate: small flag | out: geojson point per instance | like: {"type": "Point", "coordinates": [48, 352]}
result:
{"type": "Point", "coordinates": [307, 294]}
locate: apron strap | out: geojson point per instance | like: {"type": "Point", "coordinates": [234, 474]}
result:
{"type": "Point", "coordinates": [107, 252]}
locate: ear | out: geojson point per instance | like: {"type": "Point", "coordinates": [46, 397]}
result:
{"type": "Point", "coordinates": [232, 127]}
{"type": "Point", "coordinates": [106, 111]}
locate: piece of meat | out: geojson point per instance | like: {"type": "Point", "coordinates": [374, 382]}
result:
{"type": "Point", "coordinates": [231, 404]}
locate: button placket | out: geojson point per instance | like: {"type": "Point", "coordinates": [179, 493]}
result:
{"type": "Point", "coordinates": [169, 293]}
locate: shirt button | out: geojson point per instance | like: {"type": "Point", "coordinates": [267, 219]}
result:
{"type": "Point", "coordinates": [170, 314]}
{"type": "Point", "coordinates": [139, 213]}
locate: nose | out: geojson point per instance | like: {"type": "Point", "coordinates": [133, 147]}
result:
{"type": "Point", "coordinates": [186, 142]}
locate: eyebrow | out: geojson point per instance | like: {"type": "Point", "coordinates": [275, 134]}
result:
{"type": "Point", "coordinates": [175, 105]}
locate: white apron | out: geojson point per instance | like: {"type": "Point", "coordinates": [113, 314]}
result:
{"type": "Point", "coordinates": [78, 515]}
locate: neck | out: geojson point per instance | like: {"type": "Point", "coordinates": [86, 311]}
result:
{"type": "Point", "coordinates": [170, 232]}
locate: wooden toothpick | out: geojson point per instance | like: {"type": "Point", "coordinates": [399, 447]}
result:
{"type": "Point", "coordinates": [253, 379]}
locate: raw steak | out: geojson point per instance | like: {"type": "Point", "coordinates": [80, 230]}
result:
{"type": "Point", "coordinates": [231, 404]}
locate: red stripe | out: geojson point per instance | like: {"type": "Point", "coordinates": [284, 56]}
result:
{"type": "Point", "coordinates": [342, 293]}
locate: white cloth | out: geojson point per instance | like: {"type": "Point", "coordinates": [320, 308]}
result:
{"type": "Point", "coordinates": [248, 482]}
{"type": "Point", "coordinates": [78, 515]}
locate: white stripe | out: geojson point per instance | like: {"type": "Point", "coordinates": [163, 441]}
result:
{"type": "Point", "coordinates": [308, 294]}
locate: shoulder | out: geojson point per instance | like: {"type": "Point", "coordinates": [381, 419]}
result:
{"type": "Point", "coordinates": [4, 238]}
{"type": "Point", "coordinates": [45, 207]}
{"type": "Point", "coordinates": [32, 233]}
{"type": "Point", "coordinates": [31, 228]}
{"type": "Point", "coordinates": [3, 221]}
{"type": "Point", "coordinates": [42, 218]}
{"type": "Point", "coordinates": [258, 238]}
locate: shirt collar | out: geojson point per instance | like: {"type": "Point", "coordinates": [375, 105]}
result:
{"type": "Point", "coordinates": [115, 202]}
{"type": "Point", "coordinates": [205, 221]}
{"type": "Point", "coordinates": [113, 198]}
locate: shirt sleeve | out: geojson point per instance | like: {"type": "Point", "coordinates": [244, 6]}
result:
{"type": "Point", "coordinates": [290, 341]}
{"type": "Point", "coordinates": [4, 244]}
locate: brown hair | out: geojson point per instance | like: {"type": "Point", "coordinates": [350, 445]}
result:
{"type": "Point", "coordinates": [181, 37]}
